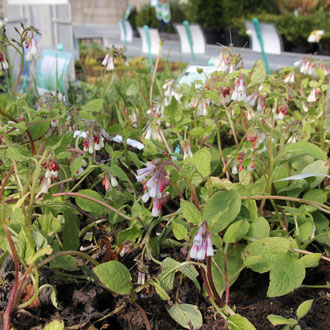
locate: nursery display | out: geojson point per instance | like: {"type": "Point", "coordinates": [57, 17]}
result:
{"type": "Point", "coordinates": [136, 202]}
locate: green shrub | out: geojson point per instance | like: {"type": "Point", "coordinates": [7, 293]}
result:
{"type": "Point", "coordinates": [221, 14]}
{"type": "Point", "coordinates": [294, 29]}
{"type": "Point", "coordinates": [147, 16]}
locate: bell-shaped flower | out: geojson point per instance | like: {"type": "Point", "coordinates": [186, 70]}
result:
{"type": "Point", "coordinates": [251, 99]}
{"type": "Point", "coordinates": [202, 244]}
{"type": "Point", "coordinates": [312, 96]}
{"type": "Point", "coordinates": [170, 91]}
{"type": "Point", "coordinates": [221, 62]}
{"type": "Point", "coordinates": [32, 54]}
{"type": "Point", "coordinates": [157, 182]}
{"type": "Point", "coordinates": [239, 93]}
{"type": "Point", "coordinates": [289, 78]}
{"type": "Point", "coordinates": [3, 62]}
{"type": "Point", "coordinates": [281, 112]}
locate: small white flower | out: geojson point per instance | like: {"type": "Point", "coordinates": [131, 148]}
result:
{"type": "Point", "coordinates": [312, 96]}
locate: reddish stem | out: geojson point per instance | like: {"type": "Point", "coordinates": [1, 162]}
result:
{"type": "Point", "coordinates": [6, 319]}
{"type": "Point", "coordinates": [4, 182]}
{"type": "Point", "coordinates": [225, 270]}
{"type": "Point", "coordinates": [143, 314]}
{"type": "Point", "coordinates": [209, 276]}
{"type": "Point", "coordinates": [205, 281]}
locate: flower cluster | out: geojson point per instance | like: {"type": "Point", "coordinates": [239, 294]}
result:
{"type": "Point", "coordinates": [202, 245]}
{"type": "Point", "coordinates": [96, 140]}
{"type": "Point", "coordinates": [52, 172]}
{"type": "Point", "coordinates": [108, 62]}
{"type": "Point", "coordinates": [240, 160]}
{"type": "Point", "coordinates": [281, 112]}
{"type": "Point", "coordinates": [313, 95]}
{"type": "Point", "coordinates": [186, 149]}
{"type": "Point", "coordinates": [222, 61]}
{"type": "Point", "coordinates": [169, 91]}
{"type": "Point", "coordinates": [32, 53]}
{"type": "Point", "coordinates": [109, 181]}
{"type": "Point", "coordinates": [155, 185]}
{"type": "Point", "coordinates": [239, 93]}
{"type": "Point", "coordinates": [289, 78]}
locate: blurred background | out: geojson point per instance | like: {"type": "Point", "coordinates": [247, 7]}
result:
{"type": "Point", "coordinates": [221, 20]}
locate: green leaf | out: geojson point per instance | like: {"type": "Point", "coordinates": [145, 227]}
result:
{"type": "Point", "coordinates": [173, 112]}
{"type": "Point", "coordinates": [311, 260]}
{"type": "Point", "coordinates": [129, 234]}
{"type": "Point", "coordinates": [191, 213]}
{"type": "Point", "coordinates": [26, 235]}
{"type": "Point", "coordinates": [189, 172]}
{"type": "Point", "coordinates": [197, 132]}
{"type": "Point", "coordinates": [93, 106]}
{"type": "Point", "coordinates": [132, 89]}
{"type": "Point", "coordinates": [188, 316]}
{"type": "Point", "coordinates": [190, 271]}
{"type": "Point", "coordinates": [117, 172]}
{"type": "Point", "coordinates": [160, 291]}
{"type": "Point", "coordinates": [54, 325]}
{"type": "Point", "coordinates": [68, 263]}
{"type": "Point", "coordinates": [202, 160]}
{"type": "Point", "coordinates": [88, 205]}
{"type": "Point", "coordinates": [221, 209]}
{"type": "Point", "coordinates": [180, 231]}
{"type": "Point", "coordinates": [268, 248]}
{"type": "Point", "coordinates": [5, 211]}
{"type": "Point", "coordinates": [70, 234]}
{"type": "Point", "coordinates": [39, 130]}
{"type": "Point", "coordinates": [166, 277]}
{"type": "Point", "coordinates": [18, 153]}
{"type": "Point", "coordinates": [64, 142]}
{"type": "Point", "coordinates": [259, 73]}
{"type": "Point", "coordinates": [317, 167]}
{"type": "Point", "coordinates": [115, 276]}
{"type": "Point", "coordinates": [306, 148]}
{"type": "Point", "coordinates": [286, 274]}
{"type": "Point", "coordinates": [238, 322]}
{"type": "Point", "coordinates": [75, 165]}
{"type": "Point", "coordinates": [280, 320]}
{"type": "Point", "coordinates": [259, 228]}
{"type": "Point", "coordinates": [46, 250]}
{"type": "Point", "coordinates": [234, 267]}
{"type": "Point", "coordinates": [236, 231]}
{"type": "Point", "coordinates": [304, 308]}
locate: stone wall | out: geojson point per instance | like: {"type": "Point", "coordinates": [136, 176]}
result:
{"type": "Point", "coordinates": [101, 11]}
{"type": "Point", "coordinates": [96, 11]}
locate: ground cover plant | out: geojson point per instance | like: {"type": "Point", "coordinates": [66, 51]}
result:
{"type": "Point", "coordinates": [138, 202]}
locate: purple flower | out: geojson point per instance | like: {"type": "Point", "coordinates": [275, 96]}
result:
{"type": "Point", "coordinates": [239, 93]}
{"type": "Point", "coordinates": [202, 245]}
{"type": "Point", "coordinates": [157, 182]}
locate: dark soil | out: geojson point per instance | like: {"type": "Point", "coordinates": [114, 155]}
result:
{"type": "Point", "coordinates": [83, 304]}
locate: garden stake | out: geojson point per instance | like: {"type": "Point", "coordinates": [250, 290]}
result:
{"type": "Point", "coordinates": [257, 28]}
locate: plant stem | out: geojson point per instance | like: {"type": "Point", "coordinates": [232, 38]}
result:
{"type": "Point", "coordinates": [67, 253]}
{"type": "Point", "coordinates": [205, 282]}
{"type": "Point", "coordinates": [4, 182]}
{"type": "Point", "coordinates": [19, 74]}
{"type": "Point", "coordinates": [154, 77]}
{"type": "Point", "coordinates": [143, 314]}
{"type": "Point", "coordinates": [209, 276]}
{"type": "Point", "coordinates": [307, 253]}
{"type": "Point", "coordinates": [320, 206]}
{"type": "Point", "coordinates": [11, 300]}
{"type": "Point", "coordinates": [94, 200]}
